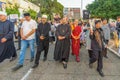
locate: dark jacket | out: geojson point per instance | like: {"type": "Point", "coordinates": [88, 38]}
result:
{"type": "Point", "coordinates": [118, 27]}
{"type": "Point", "coordinates": [94, 43]}
{"type": "Point", "coordinates": [43, 30]}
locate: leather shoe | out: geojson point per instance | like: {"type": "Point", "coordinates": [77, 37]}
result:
{"type": "Point", "coordinates": [35, 66]}
{"type": "Point", "coordinates": [65, 65]}
{"type": "Point", "coordinates": [101, 73]}
{"type": "Point", "coordinates": [17, 67]}
{"type": "Point", "coordinates": [13, 58]}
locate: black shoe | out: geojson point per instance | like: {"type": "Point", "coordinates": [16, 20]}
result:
{"type": "Point", "coordinates": [17, 67]}
{"type": "Point", "coordinates": [91, 66]}
{"type": "Point", "coordinates": [13, 58]}
{"type": "Point", "coordinates": [32, 59]}
{"type": "Point", "coordinates": [101, 73]}
{"type": "Point", "coordinates": [35, 66]}
{"type": "Point", "coordinates": [45, 58]}
{"type": "Point", "coordinates": [64, 66]}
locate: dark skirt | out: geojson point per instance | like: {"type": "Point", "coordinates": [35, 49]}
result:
{"type": "Point", "coordinates": [6, 50]}
{"type": "Point", "coordinates": [62, 50]}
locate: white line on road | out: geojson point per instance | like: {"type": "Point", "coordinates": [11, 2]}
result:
{"type": "Point", "coordinates": [27, 74]}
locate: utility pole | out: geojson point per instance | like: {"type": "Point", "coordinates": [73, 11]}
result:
{"type": "Point", "coordinates": [81, 9]}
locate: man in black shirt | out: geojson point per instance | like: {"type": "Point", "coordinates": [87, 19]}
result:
{"type": "Point", "coordinates": [43, 35]}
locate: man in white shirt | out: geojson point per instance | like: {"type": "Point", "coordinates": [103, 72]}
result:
{"type": "Point", "coordinates": [27, 32]}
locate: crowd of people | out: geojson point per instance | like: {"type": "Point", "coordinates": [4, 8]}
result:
{"type": "Point", "coordinates": [66, 34]}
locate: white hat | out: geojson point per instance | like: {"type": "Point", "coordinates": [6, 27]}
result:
{"type": "Point", "coordinates": [3, 13]}
{"type": "Point", "coordinates": [44, 16]}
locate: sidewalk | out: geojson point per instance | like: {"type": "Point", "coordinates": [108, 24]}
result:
{"type": "Point", "coordinates": [112, 48]}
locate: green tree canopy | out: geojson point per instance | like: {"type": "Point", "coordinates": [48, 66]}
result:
{"type": "Point", "coordinates": [105, 8]}
{"type": "Point", "coordinates": [32, 13]}
{"type": "Point", "coordinates": [49, 7]}
{"type": "Point", "coordinates": [13, 10]}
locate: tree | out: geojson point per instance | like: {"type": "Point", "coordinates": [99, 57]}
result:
{"type": "Point", "coordinates": [104, 8]}
{"type": "Point", "coordinates": [33, 13]}
{"type": "Point", "coordinates": [49, 7]}
{"type": "Point", "coordinates": [13, 10]}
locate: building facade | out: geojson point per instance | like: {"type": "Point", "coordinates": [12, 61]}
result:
{"type": "Point", "coordinates": [72, 13]}
{"type": "Point", "coordinates": [24, 5]}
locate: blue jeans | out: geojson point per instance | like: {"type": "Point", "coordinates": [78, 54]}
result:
{"type": "Point", "coordinates": [24, 45]}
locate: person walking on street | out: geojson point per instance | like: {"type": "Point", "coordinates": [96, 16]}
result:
{"type": "Point", "coordinates": [98, 44]}
{"type": "Point", "coordinates": [19, 36]}
{"type": "Point", "coordinates": [76, 33]}
{"type": "Point", "coordinates": [62, 46]}
{"type": "Point", "coordinates": [7, 47]}
{"type": "Point", "coordinates": [27, 31]}
{"type": "Point", "coordinates": [88, 40]}
{"type": "Point", "coordinates": [43, 36]}
{"type": "Point", "coordinates": [106, 31]}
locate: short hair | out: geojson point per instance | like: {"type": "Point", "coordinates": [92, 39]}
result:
{"type": "Point", "coordinates": [97, 21]}
{"type": "Point", "coordinates": [118, 17]}
{"type": "Point", "coordinates": [26, 14]}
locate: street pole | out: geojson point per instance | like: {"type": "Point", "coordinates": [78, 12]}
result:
{"type": "Point", "coordinates": [81, 9]}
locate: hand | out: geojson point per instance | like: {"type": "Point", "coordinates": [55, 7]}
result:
{"type": "Point", "coordinates": [61, 38]}
{"type": "Point", "coordinates": [23, 37]}
{"type": "Point", "coordinates": [42, 37]}
{"type": "Point", "coordinates": [3, 40]}
{"type": "Point", "coordinates": [91, 31]}
{"type": "Point", "coordinates": [78, 37]}
{"type": "Point", "coordinates": [106, 46]}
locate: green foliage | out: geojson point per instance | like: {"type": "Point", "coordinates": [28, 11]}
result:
{"type": "Point", "coordinates": [104, 8]}
{"type": "Point", "coordinates": [49, 7]}
{"type": "Point", "coordinates": [32, 13]}
{"type": "Point", "coordinates": [13, 10]}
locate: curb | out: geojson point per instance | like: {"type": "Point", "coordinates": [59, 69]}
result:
{"type": "Point", "coordinates": [116, 53]}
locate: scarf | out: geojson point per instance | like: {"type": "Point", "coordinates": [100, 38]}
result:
{"type": "Point", "coordinates": [98, 37]}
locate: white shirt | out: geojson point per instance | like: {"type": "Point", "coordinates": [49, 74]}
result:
{"type": "Point", "coordinates": [16, 28]}
{"type": "Point", "coordinates": [27, 27]}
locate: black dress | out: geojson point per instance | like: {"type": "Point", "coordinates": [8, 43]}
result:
{"type": "Point", "coordinates": [7, 49]}
{"type": "Point", "coordinates": [62, 47]}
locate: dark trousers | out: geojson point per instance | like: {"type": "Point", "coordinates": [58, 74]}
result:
{"type": "Point", "coordinates": [19, 42]}
{"type": "Point", "coordinates": [97, 56]}
{"type": "Point", "coordinates": [14, 53]}
{"type": "Point", "coordinates": [90, 53]}
{"type": "Point", "coordinates": [105, 50]}
{"type": "Point", "coordinates": [43, 46]}
{"type": "Point", "coordinates": [15, 34]}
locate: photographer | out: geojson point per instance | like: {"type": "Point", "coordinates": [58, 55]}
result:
{"type": "Point", "coordinates": [118, 29]}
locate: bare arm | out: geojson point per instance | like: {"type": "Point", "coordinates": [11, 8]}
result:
{"type": "Point", "coordinates": [30, 33]}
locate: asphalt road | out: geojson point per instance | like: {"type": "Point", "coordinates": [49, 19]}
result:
{"type": "Point", "coordinates": [51, 70]}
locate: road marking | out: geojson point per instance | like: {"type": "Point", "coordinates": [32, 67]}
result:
{"type": "Point", "coordinates": [27, 74]}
